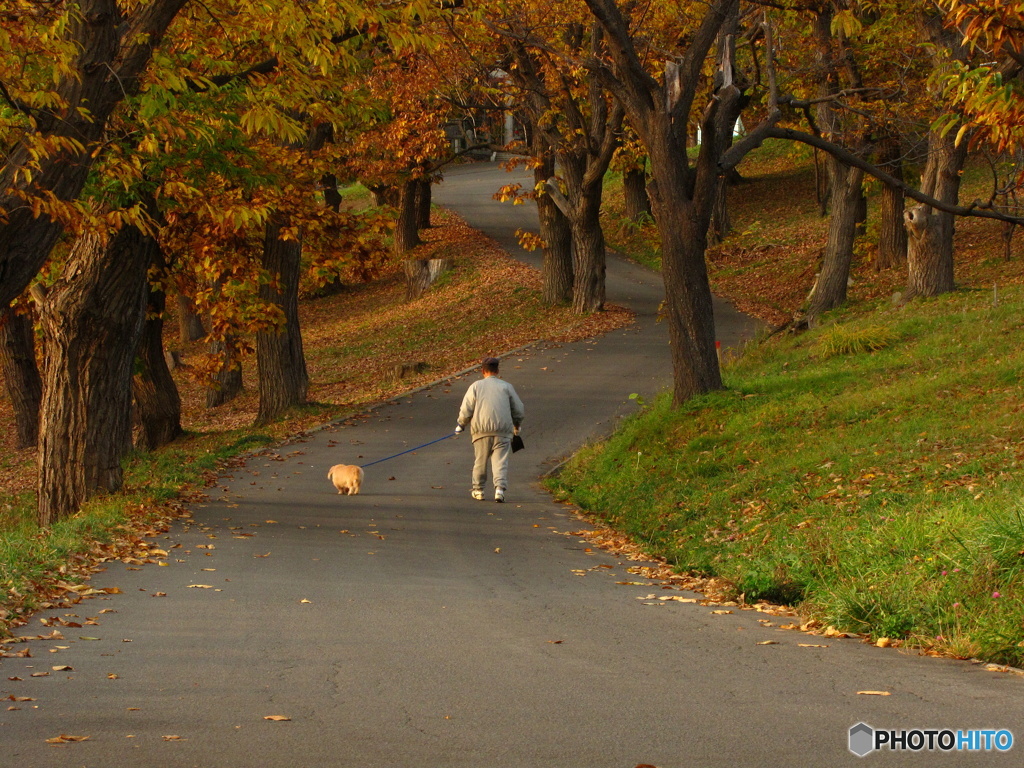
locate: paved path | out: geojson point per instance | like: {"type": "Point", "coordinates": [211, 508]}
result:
{"type": "Point", "coordinates": [414, 627]}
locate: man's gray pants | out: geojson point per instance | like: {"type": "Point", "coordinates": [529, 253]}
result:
{"type": "Point", "coordinates": [496, 450]}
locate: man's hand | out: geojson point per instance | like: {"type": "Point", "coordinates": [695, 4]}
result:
{"type": "Point", "coordinates": [458, 428]}
{"type": "Point", "coordinates": [515, 431]}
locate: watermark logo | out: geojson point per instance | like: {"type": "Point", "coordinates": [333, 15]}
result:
{"type": "Point", "coordinates": [863, 740]}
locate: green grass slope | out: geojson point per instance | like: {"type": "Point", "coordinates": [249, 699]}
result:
{"type": "Point", "coordinates": [868, 472]}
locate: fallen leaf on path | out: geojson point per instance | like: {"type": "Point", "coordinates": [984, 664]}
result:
{"type": "Point", "coordinates": [768, 642]}
{"type": "Point", "coordinates": [874, 693]}
{"type": "Point", "coordinates": [66, 739]}
{"type": "Point", "coordinates": [883, 642]}
{"type": "Point", "coordinates": [721, 612]}
{"type": "Point", "coordinates": [173, 738]}
{"type": "Point", "coordinates": [556, 642]}
{"type": "Point", "coordinates": [20, 698]}
{"type": "Point", "coordinates": [200, 586]}
{"type": "Point", "coordinates": [63, 668]}
{"type": "Point", "coordinates": [676, 599]}
{"type": "Point", "coordinates": [810, 645]}
{"type": "Point", "coordinates": [40, 674]}
{"type": "Point", "coordinates": [277, 718]}
{"type": "Point", "coordinates": [304, 600]}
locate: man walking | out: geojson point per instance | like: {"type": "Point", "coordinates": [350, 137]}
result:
{"type": "Point", "coordinates": [493, 411]}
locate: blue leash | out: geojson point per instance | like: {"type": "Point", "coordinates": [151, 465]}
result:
{"type": "Point", "coordinates": [378, 461]}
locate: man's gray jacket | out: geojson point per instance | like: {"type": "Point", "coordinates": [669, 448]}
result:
{"type": "Point", "coordinates": [491, 407]}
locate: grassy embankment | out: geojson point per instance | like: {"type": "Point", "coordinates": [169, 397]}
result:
{"type": "Point", "coordinates": [487, 304]}
{"type": "Point", "coordinates": [868, 472]}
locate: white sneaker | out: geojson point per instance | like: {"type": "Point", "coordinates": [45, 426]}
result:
{"type": "Point", "coordinates": [478, 495]}
{"type": "Point", "coordinates": [499, 495]}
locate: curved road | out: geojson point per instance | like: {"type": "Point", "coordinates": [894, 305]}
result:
{"type": "Point", "coordinates": [413, 626]}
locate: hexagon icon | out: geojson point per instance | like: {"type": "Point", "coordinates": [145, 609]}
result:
{"type": "Point", "coordinates": [862, 739]}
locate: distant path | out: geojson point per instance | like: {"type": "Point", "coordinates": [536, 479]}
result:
{"type": "Point", "coordinates": [412, 626]}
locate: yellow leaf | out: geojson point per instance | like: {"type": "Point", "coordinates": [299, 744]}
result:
{"type": "Point", "coordinates": [277, 718]}
{"type": "Point", "coordinates": [873, 693]}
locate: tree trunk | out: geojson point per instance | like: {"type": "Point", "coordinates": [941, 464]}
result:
{"type": "Point", "coordinates": [588, 252]}
{"type": "Point", "coordinates": [892, 236]}
{"type": "Point", "coordinates": [420, 274]}
{"type": "Point", "coordinates": [830, 288]}
{"type": "Point", "coordinates": [929, 271]}
{"type": "Point", "coordinates": [283, 379]}
{"type": "Point", "coordinates": [634, 187]}
{"type": "Point", "coordinates": [556, 271]}
{"type": "Point", "coordinates": [21, 374]}
{"type": "Point", "coordinates": [691, 322]}
{"type": "Point", "coordinates": [332, 197]}
{"type": "Point", "coordinates": [227, 383]}
{"type": "Point", "coordinates": [190, 324]}
{"type": "Point", "coordinates": [930, 233]}
{"type": "Point", "coordinates": [92, 323]}
{"type": "Point", "coordinates": [721, 222]}
{"type": "Point", "coordinates": [424, 193]}
{"type": "Point", "coordinates": [382, 195]}
{"type": "Point", "coordinates": [157, 403]}
{"type": "Point", "coordinates": [407, 234]}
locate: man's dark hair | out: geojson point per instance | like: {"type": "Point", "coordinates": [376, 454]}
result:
{"type": "Point", "coordinates": [490, 364]}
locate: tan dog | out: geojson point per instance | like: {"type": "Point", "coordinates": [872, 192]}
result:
{"type": "Point", "coordinates": [346, 478]}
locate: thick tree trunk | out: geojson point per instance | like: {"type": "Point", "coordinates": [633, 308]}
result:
{"type": "Point", "coordinates": [382, 195]}
{"type": "Point", "coordinates": [424, 194]}
{"type": "Point", "coordinates": [420, 274]}
{"type": "Point", "coordinates": [112, 54]}
{"type": "Point", "coordinates": [688, 303]}
{"type": "Point", "coordinates": [556, 271]}
{"type": "Point", "coordinates": [830, 288]}
{"type": "Point", "coordinates": [227, 382]}
{"type": "Point", "coordinates": [283, 379]}
{"type": "Point", "coordinates": [930, 233]}
{"type": "Point", "coordinates": [21, 374]}
{"type": "Point", "coordinates": [929, 271]}
{"type": "Point", "coordinates": [332, 197]}
{"type": "Point", "coordinates": [588, 252]}
{"type": "Point", "coordinates": [92, 322]}
{"type": "Point", "coordinates": [892, 236]}
{"type": "Point", "coordinates": [634, 187]}
{"type": "Point", "coordinates": [407, 234]}
{"type": "Point", "coordinates": [721, 222]}
{"type": "Point", "coordinates": [584, 188]}
{"type": "Point", "coordinates": [190, 324]}
{"type": "Point", "coordinates": [157, 402]}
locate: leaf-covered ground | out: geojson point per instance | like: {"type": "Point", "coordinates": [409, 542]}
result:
{"type": "Point", "coordinates": [488, 304]}
{"type": "Point", "coordinates": [768, 265]}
